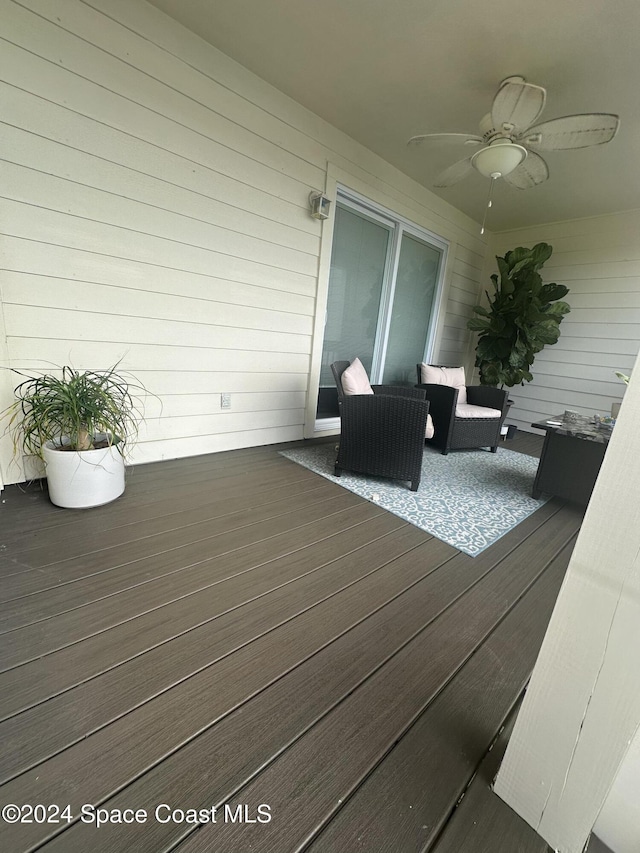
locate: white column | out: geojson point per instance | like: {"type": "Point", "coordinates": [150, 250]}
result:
{"type": "Point", "coordinates": [582, 708]}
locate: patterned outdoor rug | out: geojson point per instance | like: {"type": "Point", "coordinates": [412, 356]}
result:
{"type": "Point", "coordinates": [469, 498]}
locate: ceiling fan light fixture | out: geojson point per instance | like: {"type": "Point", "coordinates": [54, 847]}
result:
{"type": "Point", "coordinates": [498, 159]}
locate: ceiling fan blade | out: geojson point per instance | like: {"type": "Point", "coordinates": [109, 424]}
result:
{"type": "Point", "coordinates": [579, 131]}
{"type": "Point", "coordinates": [449, 138]}
{"type": "Point", "coordinates": [454, 173]}
{"type": "Point", "coordinates": [517, 105]}
{"type": "Point", "coordinates": [532, 171]}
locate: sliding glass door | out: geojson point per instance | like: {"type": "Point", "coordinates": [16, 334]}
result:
{"type": "Point", "coordinates": [382, 300]}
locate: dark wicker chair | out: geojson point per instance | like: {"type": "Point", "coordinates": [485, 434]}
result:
{"type": "Point", "coordinates": [381, 434]}
{"type": "Point", "coordinates": [452, 433]}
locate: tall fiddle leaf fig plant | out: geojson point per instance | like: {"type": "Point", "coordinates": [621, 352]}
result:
{"type": "Point", "coordinates": [523, 317]}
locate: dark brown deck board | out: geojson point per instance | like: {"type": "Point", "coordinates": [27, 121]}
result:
{"type": "Point", "coordinates": [306, 785]}
{"type": "Point", "coordinates": [64, 586]}
{"type": "Point", "coordinates": [483, 823]}
{"type": "Point", "coordinates": [399, 804]}
{"type": "Point", "coordinates": [11, 565]}
{"type": "Point", "coordinates": [34, 640]}
{"type": "Point", "coordinates": [285, 667]}
{"type": "Point", "coordinates": [37, 517]}
{"type": "Point", "coordinates": [147, 540]}
{"type": "Point", "coordinates": [596, 846]}
{"type": "Point", "coordinates": [77, 712]}
{"type": "Point", "coordinates": [163, 725]}
{"type": "Point", "coordinates": [261, 728]}
{"type": "Point", "coordinates": [90, 537]}
{"type": "Point", "coordinates": [526, 442]}
{"type": "Point", "coordinates": [47, 676]}
{"type": "Point", "coordinates": [334, 672]}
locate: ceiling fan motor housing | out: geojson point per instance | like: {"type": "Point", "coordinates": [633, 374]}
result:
{"type": "Point", "coordinates": [490, 133]}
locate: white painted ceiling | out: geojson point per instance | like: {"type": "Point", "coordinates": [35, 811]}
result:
{"type": "Point", "coordinates": [384, 70]}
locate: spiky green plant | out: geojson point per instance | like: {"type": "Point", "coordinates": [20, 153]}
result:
{"type": "Point", "coordinates": [77, 405]}
{"type": "Point", "coordinates": [523, 317]}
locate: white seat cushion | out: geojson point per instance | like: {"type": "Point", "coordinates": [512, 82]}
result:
{"type": "Point", "coordinates": [429, 432]}
{"type": "Point", "coordinates": [453, 376]}
{"type": "Point", "coordinates": [355, 380]}
{"type": "Point", "coordinates": [466, 410]}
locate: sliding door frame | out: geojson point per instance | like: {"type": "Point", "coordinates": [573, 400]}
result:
{"type": "Point", "coordinates": [399, 226]}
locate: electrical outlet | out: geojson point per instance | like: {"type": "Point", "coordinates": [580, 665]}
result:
{"type": "Point", "coordinates": [225, 401]}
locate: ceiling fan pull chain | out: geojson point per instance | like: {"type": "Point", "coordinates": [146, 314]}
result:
{"type": "Point", "coordinates": [489, 202]}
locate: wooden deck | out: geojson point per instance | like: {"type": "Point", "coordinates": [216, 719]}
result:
{"type": "Point", "coordinates": [237, 630]}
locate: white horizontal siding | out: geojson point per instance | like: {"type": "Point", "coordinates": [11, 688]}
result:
{"type": "Point", "coordinates": [188, 405]}
{"type": "Point", "coordinates": [599, 261]}
{"type": "Point", "coordinates": [246, 383]}
{"type": "Point", "coordinates": [77, 134]}
{"type": "Point", "coordinates": [108, 326]}
{"type": "Point", "coordinates": [455, 340]}
{"type": "Point", "coordinates": [76, 66]}
{"type": "Point", "coordinates": [96, 183]}
{"type": "Point", "coordinates": [86, 235]}
{"type": "Point", "coordinates": [138, 357]}
{"type": "Point", "coordinates": [141, 305]}
{"type": "Point", "coordinates": [59, 262]}
{"type": "Point", "coordinates": [140, 219]}
{"type": "Point", "coordinates": [296, 128]}
{"type": "Point", "coordinates": [464, 294]}
{"type": "Point", "coordinates": [175, 448]}
{"type": "Point", "coordinates": [153, 207]}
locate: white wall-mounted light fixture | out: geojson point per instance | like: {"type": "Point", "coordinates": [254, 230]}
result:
{"type": "Point", "coordinates": [319, 204]}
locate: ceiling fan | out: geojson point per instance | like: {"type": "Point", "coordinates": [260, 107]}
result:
{"type": "Point", "coordinates": [510, 141]}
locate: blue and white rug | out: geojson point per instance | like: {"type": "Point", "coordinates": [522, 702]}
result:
{"type": "Point", "coordinates": [469, 498]}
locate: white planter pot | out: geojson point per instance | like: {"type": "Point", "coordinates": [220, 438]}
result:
{"type": "Point", "coordinates": [82, 480]}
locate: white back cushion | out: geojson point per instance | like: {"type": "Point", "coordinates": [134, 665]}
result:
{"type": "Point", "coordinates": [355, 379]}
{"type": "Point", "coordinates": [453, 376]}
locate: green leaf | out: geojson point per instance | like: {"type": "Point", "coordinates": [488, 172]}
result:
{"type": "Point", "coordinates": [523, 264]}
{"type": "Point", "coordinates": [535, 284]}
{"type": "Point", "coordinates": [491, 373]}
{"type": "Point", "coordinates": [480, 309]}
{"type": "Point", "coordinates": [503, 269]}
{"type": "Point", "coordinates": [560, 308]}
{"type": "Point", "coordinates": [508, 287]}
{"type": "Point", "coordinates": [540, 254]}
{"type": "Point", "coordinates": [517, 358]}
{"type": "Point", "coordinates": [518, 255]}
{"type": "Point", "coordinates": [476, 324]}
{"type": "Point", "coordinates": [486, 348]}
{"type": "Point", "coordinates": [546, 334]}
{"type": "Point", "coordinates": [551, 292]}
{"type": "Point", "coordinates": [502, 348]}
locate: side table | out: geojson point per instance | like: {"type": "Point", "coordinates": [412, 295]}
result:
{"type": "Point", "coordinates": [570, 460]}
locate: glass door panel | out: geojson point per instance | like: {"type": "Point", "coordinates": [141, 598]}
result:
{"type": "Point", "coordinates": [410, 322]}
{"type": "Point", "coordinates": [384, 285]}
{"type": "Point", "coordinates": [358, 262]}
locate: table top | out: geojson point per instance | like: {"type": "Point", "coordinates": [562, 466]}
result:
{"type": "Point", "coordinates": [553, 422]}
{"type": "Point", "coordinates": [586, 428]}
